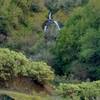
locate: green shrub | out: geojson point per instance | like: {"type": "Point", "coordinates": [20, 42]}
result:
{"type": "Point", "coordinates": [13, 64]}
{"type": "Point", "coordinates": [66, 5]}
{"type": "Point", "coordinates": [40, 71]}
{"type": "Point", "coordinates": [83, 90]}
{"type": "Point", "coordinates": [35, 8]}
{"type": "Point", "coordinates": [52, 5]}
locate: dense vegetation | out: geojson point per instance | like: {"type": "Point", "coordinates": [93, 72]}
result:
{"type": "Point", "coordinates": [88, 91]}
{"type": "Point", "coordinates": [78, 43]}
{"type": "Point", "coordinates": [66, 5]}
{"type": "Point", "coordinates": [57, 62]}
{"type": "Point", "coordinates": [18, 20]}
{"type": "Point", "coordinates": [13, 64]}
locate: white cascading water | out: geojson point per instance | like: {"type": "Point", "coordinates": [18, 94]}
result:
{"type": "Point", "coordinates": [50, 15]}
{"type": "Point", "coordinates": [49, 21]}
{"type": "Point", "coordinates": [57, 25]}
{"type": "Point", "coordinates": [45, 28]}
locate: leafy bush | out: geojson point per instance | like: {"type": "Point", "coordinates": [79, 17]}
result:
{"type": "Point", "coordinates": [84, 90]}
{"type": "Point", "coordinates": [39, 71]}
{"type": "Point", "coordinates": [66, 5]}
{"type": "Point", "coordinates": [13, 64]}
{"type": "Point", "coordinates": [35, 8]}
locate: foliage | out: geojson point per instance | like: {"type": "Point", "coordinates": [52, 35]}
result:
{"type": "Point", "coordinates": [52, 5]}
{"type": "Point", "coordinates": [90, 52]}
{"type": "Point", "coordinates": [66, 5]}
{"type": "Point", "coordinates": [18, 19]}
{"type": "Point", "coordinates": [22, 21]}
{"type": "Point", "coordinates": [13, 64]}
{"type": "Point", "coordinates": [86, 91]}
{"type": "Point", "coordinates": [79, 41]}
{"type": "Point", "coordinates": [35, 8]}
{"type": "Point", "coordinates": [40, 71]}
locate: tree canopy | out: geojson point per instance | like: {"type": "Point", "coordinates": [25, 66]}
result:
{"type": "Point", "coordinates": [79, 40]}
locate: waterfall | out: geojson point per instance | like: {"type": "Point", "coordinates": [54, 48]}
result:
{"type": "Point", "coordinates": [51, 29]}
{"type": "Point", "coordinates": [57, 25]}
{"type": "Point", "coordinates": [50, 15]}
{"type": "Point", "coordinates": [50, 21]}
{"type": "Point", "coordinates": [45, 28]}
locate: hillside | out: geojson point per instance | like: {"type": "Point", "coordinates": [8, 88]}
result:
{"type": "Point", "coordinates": [22, 22]}
{"type": "Point", "coordinates": [50, 49]}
